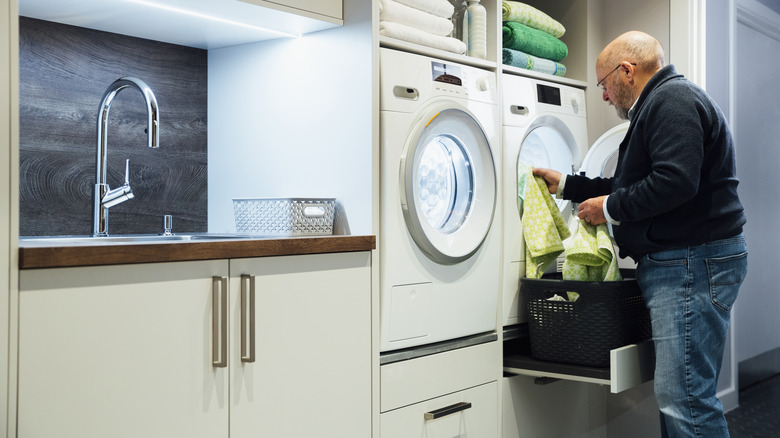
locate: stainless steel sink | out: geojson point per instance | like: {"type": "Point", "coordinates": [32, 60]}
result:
{"type": "Point", "coordinates": [46, 241]}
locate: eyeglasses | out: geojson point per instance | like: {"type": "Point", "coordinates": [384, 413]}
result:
{"type": "Point", "coordinates": [605, 77]}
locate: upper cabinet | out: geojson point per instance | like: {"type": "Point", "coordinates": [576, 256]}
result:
{"type": "Point", "coordinates": [327, 8]}
{"type": "Point", "coordinates": [204, 24]}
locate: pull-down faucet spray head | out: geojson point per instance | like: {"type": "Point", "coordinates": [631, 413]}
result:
{"type": "Point", "coordinates": [104, 196]}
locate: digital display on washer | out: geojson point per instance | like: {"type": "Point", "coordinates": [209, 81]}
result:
{"type": "Point", "coordinates": [549, 95]}
{"type": "Point", "coordinates": [449, 74]}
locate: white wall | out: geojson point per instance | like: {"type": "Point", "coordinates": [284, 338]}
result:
{"type": "Point", "coordinates": [757, 130]}
{"type": "Point", "coordinates": [292, 118]}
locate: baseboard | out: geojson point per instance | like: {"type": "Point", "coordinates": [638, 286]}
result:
{"type": "Point", "coordinates": [759, 368]}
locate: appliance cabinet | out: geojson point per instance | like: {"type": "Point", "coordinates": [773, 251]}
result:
{"type": "Point", "coordinates": [447, 394]}
{"type": "Point", "coordinates": [155, 349]}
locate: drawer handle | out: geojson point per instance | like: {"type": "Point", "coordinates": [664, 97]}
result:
{"type": "Point", "coordinates": [447, 410]}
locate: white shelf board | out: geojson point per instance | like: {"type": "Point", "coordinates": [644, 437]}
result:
{"type": "Point", "coordinates": [204, 24]}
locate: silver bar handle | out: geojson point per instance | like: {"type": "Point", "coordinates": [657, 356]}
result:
{"type": "Point", "coordinates": [247, 318]}
{"type": "Point", "coordinates": [219, 305]}
{"type": "Point", "coordinates": [447, 410]}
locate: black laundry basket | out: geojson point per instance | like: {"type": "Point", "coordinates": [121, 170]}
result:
{"type": "Point", "coordinates": [606, 316]}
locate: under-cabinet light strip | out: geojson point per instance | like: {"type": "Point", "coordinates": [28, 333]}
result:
{"type": "Point", "coordinates": [210, 17]}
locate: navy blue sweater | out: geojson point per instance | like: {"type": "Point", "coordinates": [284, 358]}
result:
{"type": "Point", "coordinates": [675, 183]}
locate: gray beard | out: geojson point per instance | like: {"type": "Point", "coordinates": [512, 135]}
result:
{"type": "Point", "coordinates": [622, 113]}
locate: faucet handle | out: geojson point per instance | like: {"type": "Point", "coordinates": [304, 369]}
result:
{"type": "Point", "coordinates": [127, 172]}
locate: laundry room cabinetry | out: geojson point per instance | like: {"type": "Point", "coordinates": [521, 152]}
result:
{"type": "Point", "coordinates": [156, 349]}
{"type": "Point", "coordinates": [121, 351]}
{"type": "Point", "coordinates": [324, 8]}
{"type": "Point", "coordinates": [310, 374]}
{"type": "Point", "coordinates": [204, 24]}
{"type": "Point", "coordinates": [494, 39]}
{"type": "Point", "coordinates": [453, 393]}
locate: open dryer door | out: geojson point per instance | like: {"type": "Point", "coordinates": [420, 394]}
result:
{"type": "Point", "coordinates": [448, 184]}
{"type": "Point", "coordinates": [601, 161]}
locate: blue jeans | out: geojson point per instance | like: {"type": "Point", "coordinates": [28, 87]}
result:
{"type": "Point", "coordinates": [690, 292]}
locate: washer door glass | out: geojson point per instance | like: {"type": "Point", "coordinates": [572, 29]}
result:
{"type": "Point", "coordinates": [545, 147]}
{"type": "Point", "coordinates": [448, 185]}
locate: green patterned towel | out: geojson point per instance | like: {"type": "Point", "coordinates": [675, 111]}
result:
{"type": "Point", "coordinates": [518, 59]}
{"type": "Point", "coordinates": [531, 17]}
{"type": "Point", "coordinates": [543, 226]}
{"type": "Point", "coordinates": [590, 255]}
{"type": "Point", "coordinates": [533, 41]}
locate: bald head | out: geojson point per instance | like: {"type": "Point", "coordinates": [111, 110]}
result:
{"type": "Point", "coordinates": [636, 47]}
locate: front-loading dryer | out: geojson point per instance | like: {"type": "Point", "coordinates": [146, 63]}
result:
{"type": "Point", "coordinates": [439, 227]}
{"type": "Point", "coordinates": [544, 124]}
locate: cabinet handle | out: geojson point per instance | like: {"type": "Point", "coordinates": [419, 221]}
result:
{"type": "Point", "coordinates": [219, 327]}
{"type": "Point", "coordinates": [447, 410]}
{"type": "Point", "coordinates": [247, 323]}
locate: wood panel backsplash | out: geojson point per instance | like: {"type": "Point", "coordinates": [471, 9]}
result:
{"type": "Point", "coordinates": [64, 71]}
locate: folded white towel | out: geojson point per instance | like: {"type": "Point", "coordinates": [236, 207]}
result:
{"type": "Point", "coordinates": [417, 36]}
{"type": "Point", "coordinates": [390, 10]}
{"type": "Point", "coordinates": [441, 8]}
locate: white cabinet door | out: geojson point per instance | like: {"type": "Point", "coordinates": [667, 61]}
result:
{"type": "Point", "coordinates": [120, 351]}
{"type": "Point", "coordinates": [311, 374]}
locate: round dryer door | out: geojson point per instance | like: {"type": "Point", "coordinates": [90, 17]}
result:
{"type": "Point", "coordinates": [601, 159]}
{"type": "Point", "coordinates": [448, 184]}
{"type": "Point", "coordinates": [549, 144]}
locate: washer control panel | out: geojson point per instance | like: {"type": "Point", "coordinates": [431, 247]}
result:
{"type": "Point", "coordinates": [462, 81]}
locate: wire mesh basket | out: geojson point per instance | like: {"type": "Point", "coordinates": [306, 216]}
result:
{"type": "Point", "coordinates": [285, 216]}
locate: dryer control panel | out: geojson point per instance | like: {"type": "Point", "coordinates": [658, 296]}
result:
{"type": "Point", "coordinates": [567, 100]}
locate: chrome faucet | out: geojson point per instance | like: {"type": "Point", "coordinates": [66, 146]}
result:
{"type": "Point", "coordinates": [106, 198]}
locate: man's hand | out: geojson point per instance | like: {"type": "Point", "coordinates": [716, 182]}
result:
{"type": "Point", "coordinates": [592, 211]}
{"type": "Point", "coordinates": [551, 177]}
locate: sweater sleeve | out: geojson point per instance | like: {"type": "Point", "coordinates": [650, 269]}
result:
{"type": "Point", "coordinates": [579, 188]}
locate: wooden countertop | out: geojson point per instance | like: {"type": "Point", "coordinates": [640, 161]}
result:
{"type": "Point", "coordinates": [85, 255]}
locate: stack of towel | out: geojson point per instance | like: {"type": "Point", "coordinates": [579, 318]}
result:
{"type": "Point", "coordinates": [424, 22]}
{"type": "Point", "coordinates": [531, 39]}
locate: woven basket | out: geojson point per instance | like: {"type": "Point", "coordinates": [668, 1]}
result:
{"type": "Point", "coordinates": [606, 316]}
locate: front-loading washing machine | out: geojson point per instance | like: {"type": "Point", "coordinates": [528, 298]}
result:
{"type": "Point", "coordinates": [439, 228]}
{"type": "Point", "coordinates": [544, 124]}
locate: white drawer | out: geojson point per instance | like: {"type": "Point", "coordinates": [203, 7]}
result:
{"type": "Point", "coordinates": [475, 416]}
{"type": "Point", "coordinates": [411, 381]}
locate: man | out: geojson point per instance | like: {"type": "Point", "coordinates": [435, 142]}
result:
{"type": "Point", "coordinates": [674, 209]}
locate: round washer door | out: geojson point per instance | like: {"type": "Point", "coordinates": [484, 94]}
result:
{"type": "Point", "coordinates": [601, 159]}
{"type": "Point", "coordinates": [448, 184]}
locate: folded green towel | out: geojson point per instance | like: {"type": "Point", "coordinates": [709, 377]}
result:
{"type": "Point", "coordinates": [516, 58]}
{"type": "Point", "coordinates": [590, 256]}
{"type": "Point", "coordinates": [532, 17]}
{"type": "Point", "coordinates": [532, 41]}
{"type": "Point", "coordinates": [543, 226]}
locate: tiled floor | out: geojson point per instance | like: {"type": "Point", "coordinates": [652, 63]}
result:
{"type": "Point", "coordinates": [758, 414]}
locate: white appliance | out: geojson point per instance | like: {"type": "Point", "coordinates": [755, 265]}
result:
{"type": "Point", "coordinates": [544, 125]}
{"type": "Point", "coordinates": [439, 228]}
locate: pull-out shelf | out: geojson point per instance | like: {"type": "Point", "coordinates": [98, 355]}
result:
{"type": "Point", "coordinates": [630, 365]}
